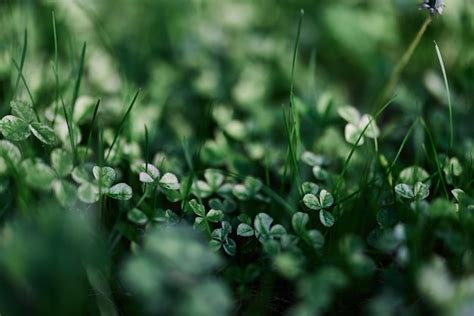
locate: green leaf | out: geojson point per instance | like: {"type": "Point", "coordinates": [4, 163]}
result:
{"type": "Point", "coordinates": [200, 224]}
{"type": "Point", "coordinates": [230, 247]}
{"type": "Point", "coordinates": [349, 113]}
{"type": "Point", "coordinates": [214, 178]}
{"type": "Point", "coordinates": [320, 174]}
{"type": "Point", "coordinates": [310, 188]}
{"type": "Point", "coordinates": [81, 175]}
{"type": "Point", "coordinates": [37, 174]}
{"type": "Point", "coordinates": [299, 221]}
{"type": "Point", "coordinates": [214, 216]}
{"type": "Point", "coordinates": [148, 173]}
{"type": "Point", "coordinates": [64, 192]}
{"type": "Point", "coordinates": [453, 167]}
{"type": "Point", "coordinates": [105, 176]}
{"type": "Point", "coordinates": [197, 208]}
{"type": "Point", "coordinates": [312, 159]}
{"type": "Point", "coordinates": [43, 132]}
{"type": "Point", "coordinates": [120, 191]}
{"type": "Point", "coordinates": [14, 128]}
{"type": "Point", "coordinates": [277, 231]}
{"type": "Point", "coordinates": [253, 185]}
{"type": "Point", "coordinates": [241, 192]}
{"type": "Point", "coordinates": [23, 110]}
{"type": "Point", "coordinates": [371, 128]}
{"type": "Point", "coordinates": [215, 245]}
{"type": "Point", "coordinates": [244, 230]}
{"type": "Point", "coordinates": [88, 193]}
{"type": "Point", "coordinates": [421, 191]}
{"type": "Point", "coordinates": [10, 156]}
{"type": "Point", "coordinates": [61, 161]}
{"type": "Point", "coordinates": [316, 238]}
{"type": "Point", "coordinates": [326, 218]}
{"type": "Point", "coordinates": [201, 189]}
{"type": "Point", "coordinates": [412, 175]}
{"type": "Point", "coordinates": [311, 202]}
{"type": "Point", "coordinates": [404, 190]}
{"type": "Point", "coordinates": [262, 223]}
{"type": "Point", "coordinates": [325, 199]}
{"type": "Point", "coordinates": [352, 134]}
{"type": "Point", "coordinates": [136, 216]}
{"type": "Point", "coordinates": [169, 182]}
{"type": "Point", "coordinates": [226, 228]}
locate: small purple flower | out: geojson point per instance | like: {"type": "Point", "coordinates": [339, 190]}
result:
{"type": "Point", "coordinates": [434, 6]}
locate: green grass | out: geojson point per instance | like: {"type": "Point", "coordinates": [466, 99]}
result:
{"type": "Point", "coordinates": [202, 194]}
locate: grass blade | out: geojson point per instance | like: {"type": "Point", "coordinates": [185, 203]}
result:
{"type": "Point", "coordinates": [121, 125]}
{"type": "Point", "coordinates": [445, 77]}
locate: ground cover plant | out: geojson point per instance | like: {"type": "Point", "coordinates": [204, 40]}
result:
{"type": "Point", "coordinates": [236, 158]}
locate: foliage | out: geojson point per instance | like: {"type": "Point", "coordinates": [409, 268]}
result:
{"type": "Point", "coordinates": [246, 175]}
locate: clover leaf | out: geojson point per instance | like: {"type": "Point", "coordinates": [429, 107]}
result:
{"type": "Point", "coordinates": [90, 191]}
{"type": "Point", "coordinates": [19, 126]}
{"type": "Point", "coordinates": [417, 192]}
{"type": "Point", "coordinates": [358, 126]}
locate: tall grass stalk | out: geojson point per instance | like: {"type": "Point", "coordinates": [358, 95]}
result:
{"type": "Point", "coordinates": [450, 106]}
{"type": "Point", "coordinates": [400, 66]}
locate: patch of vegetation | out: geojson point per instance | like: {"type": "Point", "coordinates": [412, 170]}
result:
{"type": "Point", "coordinates": [202, 158]}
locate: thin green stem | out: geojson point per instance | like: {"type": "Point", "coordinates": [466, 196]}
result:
{"type": "Point", "coordinates": [400, 66]}
{"type": "Point", "coordinates": [121, 125]}
{"type": "Point", "coordinates": [450, 106]}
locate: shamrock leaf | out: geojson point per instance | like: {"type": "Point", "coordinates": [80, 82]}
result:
{"type": "Point", "coordinates": [358, 126]}
{"type": "Point", "coordinates": [417, 192]}
{"type": "Point", "coordinates": [43, 132]}
{"type": "Point", "coordinates": [14, 128]}
{"type": "Point", "coordinates": [323, 201]}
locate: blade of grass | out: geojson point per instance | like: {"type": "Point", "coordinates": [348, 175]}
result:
{"type": "Point", "coordinates": [354, 146]}
{"type": "Point", "coordinates": [389, 169]}
{"type": "Point", "coordinates": [122, 123]}
{"type": "Point", "coordinates": [450, 106]}
{"type": "Point", "coordinates": [20, 73]}
{"type": "Point", "coordinates": [78, 78]}
{"type": "Point", "coordinates": [56, 68]}
{"type": "Point", "coordinates": [400, 66]}
{"type": "Point", "coordinates": [72, 139]}
{"type": "Point", "coordinates": [22, 62]}
{"type": "Point", "coordinates": [89, 137]}
{"type": "Point", "coordinates": [435, 155]}
{"type": "Point", "coordinates": [292, 120]}
{"type": "Point", "coordinates": [147, 151]}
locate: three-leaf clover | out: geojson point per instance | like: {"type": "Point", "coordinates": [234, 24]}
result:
{"type": "Point", "coordinates": [220, 238]}
{"type": "Point", "coordinates": [202, 220]}
{"type": "Point", "coordinates": [272, 237]}
{"type": "Point", "coordinates": [262, 228]}
{"type": "Point", "coordinates": [89, 192]}
{"type": "Point", "coordinates": [37, 174]}
{"type": "Point", "coordinates": [417, 192]}
{"type": "Point", "coordinates": [22, 123]}
{"type": "Point", "coordinates": [321, 203]}
{"type": "Point", "coordinates": [214, 184]}
{"type": "Point", "coordinates": [248, 189]}
{"type": "Point", "coordinates": [357, 126]}
{"type": "Point", "coordinates": [312, 237]}
{"type": "Point", "coordinates": [149, 174]}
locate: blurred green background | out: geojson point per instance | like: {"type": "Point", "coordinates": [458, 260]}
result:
{"type": "Point", "coordinates": [187, 55]}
